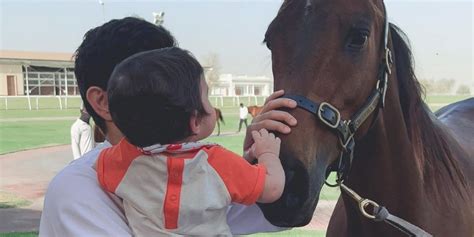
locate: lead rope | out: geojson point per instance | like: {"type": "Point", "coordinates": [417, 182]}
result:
{"type": "Point", "coordinates": [380, 213]}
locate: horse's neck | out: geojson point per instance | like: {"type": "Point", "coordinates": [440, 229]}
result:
{"type": "Point", "coordinates": [385, 170]}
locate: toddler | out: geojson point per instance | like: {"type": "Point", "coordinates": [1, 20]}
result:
{"type": "Point", "coordinates": [170, 183]}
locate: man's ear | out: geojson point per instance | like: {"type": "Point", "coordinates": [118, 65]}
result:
{"type": "Point", "coordinates": [99, 101]}
{"type": "Point", "coordinates": [195, 123]}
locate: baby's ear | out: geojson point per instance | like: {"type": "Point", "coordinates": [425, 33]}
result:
{"type": "Point", "coordinates": [195, 123]}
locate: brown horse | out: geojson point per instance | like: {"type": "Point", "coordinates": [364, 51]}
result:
{"type": "Point", "coordinates": [374, 128]}
{"type": "Point", "coordinates": [254, 110]}
{"type": "Point", "coordinates": [219, 119]}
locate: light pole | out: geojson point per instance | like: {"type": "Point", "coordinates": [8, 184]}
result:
{"type": "Point", "coordinates": [101, 2]}
{"type": "Point", "coordinates": [158, 18]}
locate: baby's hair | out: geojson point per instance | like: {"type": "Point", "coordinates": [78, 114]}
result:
{"type": "Point", "coordinates": [153, 94]}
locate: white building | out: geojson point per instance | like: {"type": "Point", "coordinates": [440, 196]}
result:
{"type": "Point", "coordinates": [36, 73]}
{"type": "Point", "coordinates": [230, 85]}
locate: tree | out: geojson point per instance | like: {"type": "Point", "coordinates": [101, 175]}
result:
{"type": "Point", "coordinates": [463, 90]}
{"type": "Point", "coordinates": [212, 68]}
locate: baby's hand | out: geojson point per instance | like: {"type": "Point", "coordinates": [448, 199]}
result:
{"type": "Point", "coordinates": [265, 142]}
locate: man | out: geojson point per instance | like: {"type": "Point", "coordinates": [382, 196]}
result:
{"type": "Point", "coordinates": [81, 135]}
{"type": "Point", "coordinates": [75, 204]}
{"type": "Point", "coordinates": [243, 112]}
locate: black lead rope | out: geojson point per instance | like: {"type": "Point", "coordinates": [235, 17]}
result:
{"type": "Point", "coordinates": [381, 214]}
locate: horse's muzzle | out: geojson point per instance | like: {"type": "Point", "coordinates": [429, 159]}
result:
{"type": "Point", "coordinates": [292, 208]}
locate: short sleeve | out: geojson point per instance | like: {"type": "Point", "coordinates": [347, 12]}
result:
{"type": "Point", "coordinates": [244, 182]}
{"type": "Point", "coordinates": [113, 163]}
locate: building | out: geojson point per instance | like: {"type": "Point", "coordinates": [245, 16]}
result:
{"type": "Point", "coordinates": [43, 73]}
{"type": "Point", "coordinates": [230, 85]}
{"type": "Point", "coordinates": [52, 74]}
{"type": "Point", "coordinates": [36, 73]}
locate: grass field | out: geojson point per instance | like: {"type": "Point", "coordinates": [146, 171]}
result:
{"type": "Point", "coordinates": [19, 234]}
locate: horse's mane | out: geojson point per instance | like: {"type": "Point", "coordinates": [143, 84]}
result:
{"type": "Point", "coordinates": [431, 144]}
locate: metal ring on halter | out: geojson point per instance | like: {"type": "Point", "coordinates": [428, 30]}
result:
{"type": "Point", "coordinates": [338, 179]}
{"type": "Point", "coordinates": [320, 109]}
{"type": "Point", "coordinates": [365, 203]}
{"type": "Point", "coordinates": [332, 185]}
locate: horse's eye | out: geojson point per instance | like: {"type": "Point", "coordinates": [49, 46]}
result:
{"type": "Point", "coordinates": [357, 39]}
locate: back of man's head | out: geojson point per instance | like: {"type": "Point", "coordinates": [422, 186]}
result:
{"type": "Point", "coordinates": [105, 46]}
{"type": "Point", "coordinates": [152, 96]}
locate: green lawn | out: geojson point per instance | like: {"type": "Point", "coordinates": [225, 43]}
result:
{"type": "Point", "coordinates": [19, 234]}
{"type": "Point", "coordinates": [40, 103]}
{"type": "Point", "coordinates": [42, 113]}
{"type": "Point", "coordinates": [445, 99]}
{"type": "Point", "coordinates": [30, 134]}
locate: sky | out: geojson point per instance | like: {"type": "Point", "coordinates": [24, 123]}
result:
{"type": "Point", "coordinates": [441, 32]}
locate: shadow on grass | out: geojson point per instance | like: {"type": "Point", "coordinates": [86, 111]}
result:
{"type": "Point", "coordinates": [13, 220]}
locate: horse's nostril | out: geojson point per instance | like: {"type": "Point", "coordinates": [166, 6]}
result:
{"type": "Point", "coordinates": [291, 200]}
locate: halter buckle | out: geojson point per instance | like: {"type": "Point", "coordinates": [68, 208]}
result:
{"type": "Point", "coordinates": [323, 117]}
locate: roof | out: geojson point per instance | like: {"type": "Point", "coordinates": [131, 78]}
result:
{"type": "Point", "coordinates": [44, 59]}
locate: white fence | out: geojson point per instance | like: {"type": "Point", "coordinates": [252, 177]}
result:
{"type": "Point", "coordinates": [233, 101]}
{"type": "Point", "coordinates": [37, 102]}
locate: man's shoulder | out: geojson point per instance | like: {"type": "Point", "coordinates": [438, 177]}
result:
{"type": "Point", "coordinates": [78, 176]}
{"type": "Point", "coordinates": [76, 205]}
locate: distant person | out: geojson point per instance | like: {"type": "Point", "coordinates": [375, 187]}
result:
{"type": "Point", "coordinates": [243, 112]}
{"type": "Point", "coordinates": [82, 140]}
{"type": "Point", "coordinates": [169, 181]}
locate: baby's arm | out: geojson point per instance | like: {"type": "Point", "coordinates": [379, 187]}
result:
{"type": "Point", "coordinates": [267, 149]}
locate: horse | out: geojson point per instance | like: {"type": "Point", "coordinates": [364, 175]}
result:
{"type": "Point", "coordinates": [254, 110]}
{"type": "Point", "coordinates": [219, 117]}
{"type": "Point", "coordinates": [369, 124]}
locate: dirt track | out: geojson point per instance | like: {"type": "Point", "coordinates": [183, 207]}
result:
{"type": "Point", "coordinates": [27, 174]}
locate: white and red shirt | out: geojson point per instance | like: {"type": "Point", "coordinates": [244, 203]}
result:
{"type": "Point", "coordinates": [184, 190]}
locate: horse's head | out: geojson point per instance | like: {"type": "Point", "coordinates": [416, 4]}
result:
{"type": "Point", "coordinates": [324, 51]}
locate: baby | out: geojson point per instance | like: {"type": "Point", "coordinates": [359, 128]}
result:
{"type": "Point", "coordinates": [170, 183]}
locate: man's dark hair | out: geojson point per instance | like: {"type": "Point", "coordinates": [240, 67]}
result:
{"type": "Point", "coordinates": [152, 96]}
{"type": "Point", "coordinates": [105, 46]}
